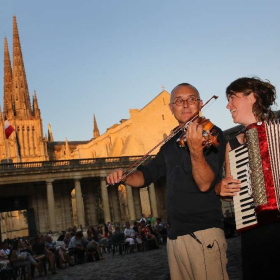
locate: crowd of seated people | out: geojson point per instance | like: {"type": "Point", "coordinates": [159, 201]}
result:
{"type": "Point", "coordinates": [144, 234]}
{"type": "Point", "coordinates": [74, 247]}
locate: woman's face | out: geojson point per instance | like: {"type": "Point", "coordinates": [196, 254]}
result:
{"type": "Point", "coordinates": [241, 108]}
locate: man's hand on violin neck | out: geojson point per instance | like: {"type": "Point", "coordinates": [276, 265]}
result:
{"type": "Point", "coordinates": [194, 138]}
{"type": "Point", "coordinates": [115, 177]}
{"type": "Point", "coordinates": [135, 179]}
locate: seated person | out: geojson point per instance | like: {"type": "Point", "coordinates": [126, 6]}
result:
{"type": "Point", "coordinates": [62, 254]}
{"type": "Point", "coordinates": [147, 235]}
{"type": "Point", "coordinates": [67, 239]}
{"type": "Point", "coordinates": [129, 234]}
{"type": "Point", "coordinates": [90, 233]}
{"type": "Point", "coordinates": [93, 247]}
{"type": "Point", "coordinates": [102, 240]}
{"type": "Point", "coordinates": [61, 236]}
{"type": "Point", "coordinates": [50, 244]}
{"type": "Point", "coordinates": [117, 230]}
{"type": "Point", "coordinates": [3, 254]}
{"type": "Point", "coordinates": [4, 258]}
{"type": "Point", "coordinates": [161, 230]}
{"type": "Point", "coordinates": [76, 246]}
{"type": "Point", "coordinates": [135, 227]}
{"type": "Point", "coordinates": [18, 259]}
{"type": "Point", "coordinates": [39, 249]}
{"type": "Point", "coordinates": [6, 248]}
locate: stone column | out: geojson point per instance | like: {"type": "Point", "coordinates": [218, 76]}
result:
{"type": "Point", "coordinates": [115, 204]}
{"type": "Point", "coordinates": [153, 200]}
{"type": "Point", "coordinates": [92, 205]}
{"type": "Point", "coordinates": [80, 203]}
{"type": "Point", "coordinates": [130, 203]}
{"type": "Point", "coordinates": [105, 200]}
{"type": "Point", "coordinates": [137, 202]}
{"type": "Point", "coordinates": [51, 205]}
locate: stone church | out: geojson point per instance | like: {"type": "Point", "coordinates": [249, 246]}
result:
{"type": "Point", "coordinates": [55, 185]}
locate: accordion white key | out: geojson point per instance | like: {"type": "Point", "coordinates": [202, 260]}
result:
{"type": "Point", "coordinates": [257, 165]}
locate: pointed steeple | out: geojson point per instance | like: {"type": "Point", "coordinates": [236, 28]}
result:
{"type": "Point", "coordinates": [36, 110]}
{"type": "Point", "coordinates": [95, 128]}
{"type": "Point", "coordinates": [50, 135]}
{"type": "Point", "coordinates": [20, 87]}
{"type": "Point", "coordinates": [8, 82]}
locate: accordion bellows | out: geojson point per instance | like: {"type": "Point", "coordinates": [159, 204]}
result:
{"type": "Point", "coordinates": [263, 147]}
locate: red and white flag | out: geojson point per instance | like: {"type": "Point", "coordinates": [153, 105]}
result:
{"type": "Point", "coordinates": [8, 128]}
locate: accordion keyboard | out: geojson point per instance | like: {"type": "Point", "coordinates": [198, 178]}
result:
{"type": "Point", "coordinates": [245, 215]}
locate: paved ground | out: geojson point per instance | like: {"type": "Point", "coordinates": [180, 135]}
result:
{"type": "Point", "coordinates": [143, 265]}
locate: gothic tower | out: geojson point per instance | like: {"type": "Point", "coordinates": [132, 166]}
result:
{"type": "Point", "coordinates": [27, 143]}
{"type": "Point", "coordinates": [95, 128]}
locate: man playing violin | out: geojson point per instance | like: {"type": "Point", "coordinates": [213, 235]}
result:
{"type": "Point", "coordinates": [196, 243]}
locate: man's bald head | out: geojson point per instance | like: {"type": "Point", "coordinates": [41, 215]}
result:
{"type": "Point", "coordinates": [183, 85]}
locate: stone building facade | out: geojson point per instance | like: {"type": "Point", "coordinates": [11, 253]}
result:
{"type": "Point", "coordinates": [61, 184]}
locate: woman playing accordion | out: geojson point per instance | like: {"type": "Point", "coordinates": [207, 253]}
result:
{"type": "Point", "coordinates": [251, 164]}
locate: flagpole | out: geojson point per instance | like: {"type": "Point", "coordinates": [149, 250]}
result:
{"type": "Point", "coordinates": [18, 148]}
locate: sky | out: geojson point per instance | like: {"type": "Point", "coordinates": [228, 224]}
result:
{"type": "Point", "coordinates": [106, 57]}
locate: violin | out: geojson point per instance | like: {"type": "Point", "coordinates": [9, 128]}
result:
{"type": "Point", "coordinates": [209, 138]}
{"type": "Point", "coordinates": [209, 134]}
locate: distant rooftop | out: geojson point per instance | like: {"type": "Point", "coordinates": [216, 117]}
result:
{"type": "Point", "coordinates": [54, 143]}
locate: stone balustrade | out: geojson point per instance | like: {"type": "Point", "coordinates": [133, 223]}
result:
{"type": "Point", "coordinates": [94, 163]}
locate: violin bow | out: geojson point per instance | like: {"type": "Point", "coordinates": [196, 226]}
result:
{"type": "Point", "coordinates": [181, 127]}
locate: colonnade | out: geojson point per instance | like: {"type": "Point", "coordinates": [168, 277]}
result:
{"type": "Point", "coordinates": [132, 196]}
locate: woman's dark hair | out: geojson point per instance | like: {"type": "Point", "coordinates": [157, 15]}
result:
{"type": "Point", "coordinates": [264, 92]}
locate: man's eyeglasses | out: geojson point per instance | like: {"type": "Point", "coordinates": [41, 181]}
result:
{"type": "Point", "coordinates": [190, 100]}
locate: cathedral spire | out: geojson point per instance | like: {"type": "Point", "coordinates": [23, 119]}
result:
{"type": "Point", "coordinates": [8, 82]}
{"type": "Point", "coordinates": [95, 128]}
{"type": "Point", "coordinates": [50, 135]}
{"type": "Point", "coordinates": [20, 87]}
{"type": "Point", "coordinates": [36, 110]}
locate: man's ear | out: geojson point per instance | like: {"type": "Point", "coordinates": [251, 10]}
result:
{"type": "Point", "coordinates": [200, 104]}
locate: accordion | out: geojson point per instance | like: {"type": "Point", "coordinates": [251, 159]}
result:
{"type": "Point", "coordinates": [257, 165]}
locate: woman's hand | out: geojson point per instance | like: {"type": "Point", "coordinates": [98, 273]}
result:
{"type": "Point", "coordinates": [228, 187]}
